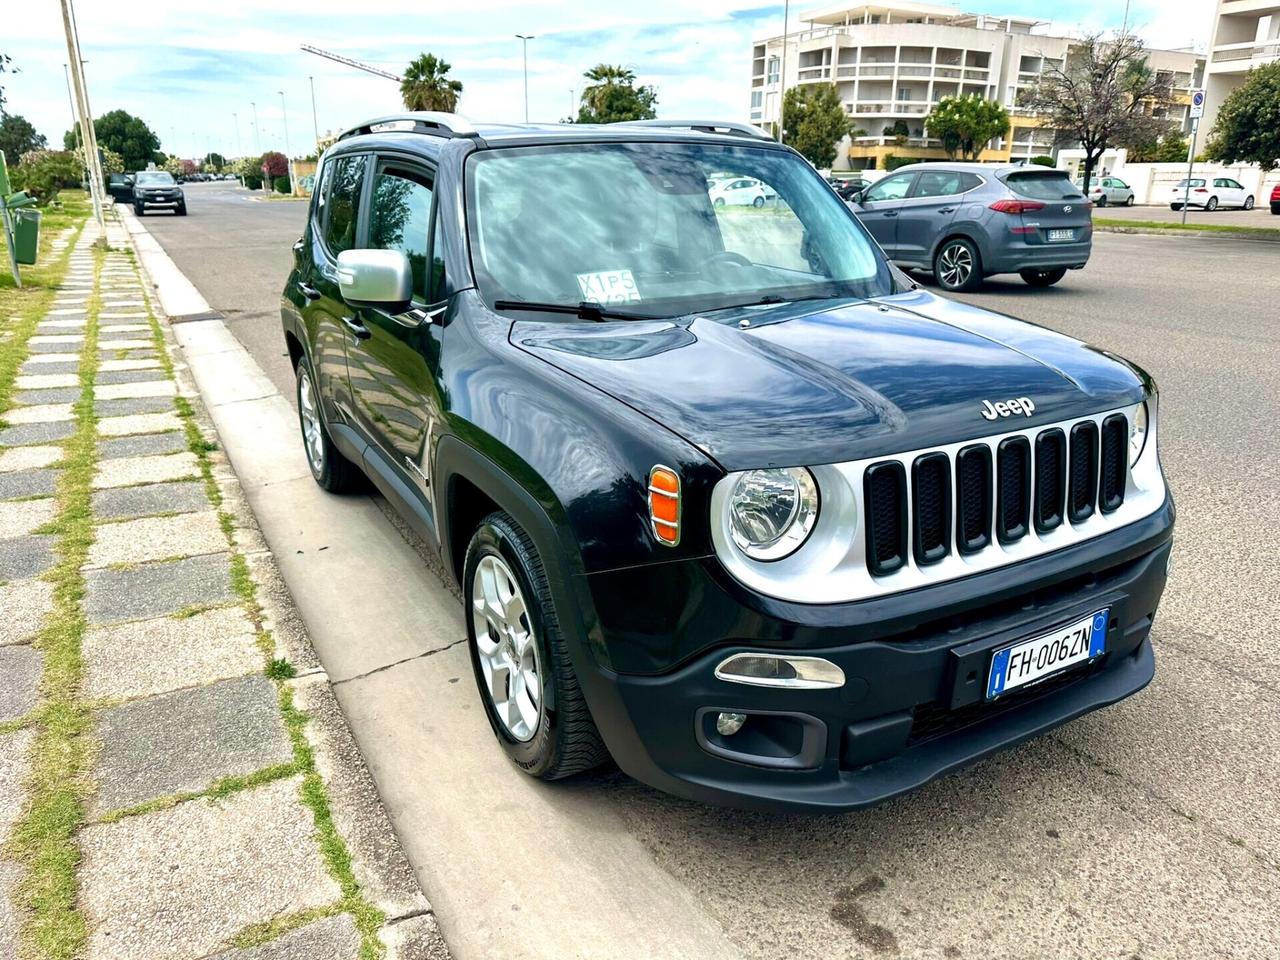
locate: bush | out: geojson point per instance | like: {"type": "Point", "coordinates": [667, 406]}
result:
{"type": "Point", "coordinates": [274, 163]}
{"type": "Point", "coordinates": [42, 173]}
{"type": "Point", "coordinates": [1044, 161]}
{"type": "Point", "coordinates": [892, 162]}
{"type": "Point", "coordinates": [253, 181]}
{"type": "Point", "coordinates": [282, 185]}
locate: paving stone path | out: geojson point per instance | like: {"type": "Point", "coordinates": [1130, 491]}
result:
{"type": "Point", "coordinates": [219, 818]}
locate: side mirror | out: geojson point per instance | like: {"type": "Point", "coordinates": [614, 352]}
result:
{"type": "Point", "coordinates": [375, 278]}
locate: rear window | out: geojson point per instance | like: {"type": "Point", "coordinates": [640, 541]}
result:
{"type": "Point", "coordinates": [1043, 186]}
{"type": "Point", "coordinates": [1197, 182]}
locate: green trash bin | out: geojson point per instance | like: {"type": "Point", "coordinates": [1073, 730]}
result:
{"type": "Point", "coordinates": [26, 234]}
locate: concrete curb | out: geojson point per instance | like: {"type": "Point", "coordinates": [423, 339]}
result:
{"type": "Point", "coordinates": [386, 632]}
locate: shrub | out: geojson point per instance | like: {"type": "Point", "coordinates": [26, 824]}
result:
{"type": "Point", "coordinates": [282, 185]}
{"type": "Point", "coordinates": [42, 173]}
{"type": "Point", "coordinates": [1044, 161]}
{"type": "Point", "coordinates": [253, 181]}
{"type": "Point", "coordinates": [274, 164]}
{"type": "Point", "coordinates": [892, 162]}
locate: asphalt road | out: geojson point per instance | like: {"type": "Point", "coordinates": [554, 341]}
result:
{"type": "Point", "coordinates": [1147, 830]}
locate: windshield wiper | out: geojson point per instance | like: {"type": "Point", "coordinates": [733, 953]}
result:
{"type": "Point", "coordinates": [586, 310]}
{"type": "Point", "coordinates": [774, 298]}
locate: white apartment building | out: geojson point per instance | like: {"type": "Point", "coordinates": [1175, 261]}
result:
{"type": "Point", "coordinates": [1245, 34]}
{"type": "Point", "coordinates": [892, 61]}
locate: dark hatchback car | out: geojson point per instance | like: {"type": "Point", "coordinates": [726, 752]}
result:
{"type": "Point", "coordinates": [729, 497]}
{"type": "Point", "coordinates": [968, 221]}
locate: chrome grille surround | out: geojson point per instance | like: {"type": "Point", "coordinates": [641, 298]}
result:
{"type": "Point", "coordinates": [831, 566]}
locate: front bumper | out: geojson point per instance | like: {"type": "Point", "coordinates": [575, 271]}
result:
{"type": "Point", "coordinates": [159, 200]}
{"type": "Point", "coordinates": [912, 707]}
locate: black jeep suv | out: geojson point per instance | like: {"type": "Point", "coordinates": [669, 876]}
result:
{"type": "Point", "coordinates": [729, 498]}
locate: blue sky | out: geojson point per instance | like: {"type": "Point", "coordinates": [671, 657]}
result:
{"type": "Point", "coordinates": [186, 69]}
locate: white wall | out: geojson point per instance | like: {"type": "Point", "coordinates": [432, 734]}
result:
{"type": "Point", "coordinates": [1151, 181]}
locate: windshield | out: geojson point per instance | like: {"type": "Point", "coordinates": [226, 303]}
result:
{"type": "Point", "coordinates": [662, 228]}
{"type": "Point", "coordinates": [153, 177]}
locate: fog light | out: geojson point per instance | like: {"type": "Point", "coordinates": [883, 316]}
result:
{"type": "Point", "coordinates": [772, 670]}
{"type": "Point", "coordinates": [727, 724]}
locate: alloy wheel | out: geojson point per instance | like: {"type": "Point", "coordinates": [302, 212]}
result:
{"type": "Point", "coordinates": [507, 650]}
{"type": "Point", "coordinates": [312, 432]}
{"type": "Point", "coordinates": [957, 264]}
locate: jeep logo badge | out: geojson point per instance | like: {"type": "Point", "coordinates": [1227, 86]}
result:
{"type": "Point", "coordinates": [1007, 408]}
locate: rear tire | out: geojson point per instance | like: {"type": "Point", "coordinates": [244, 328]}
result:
{"type": "Point", "coordinates": [510, 610]}
{"type": "Point", "coordinates": [1212, 204]}
{"type": "Point", "coordinates": [329, 468]}
{"type": "Point", "coordinates": [1175, 206]}
{"type": "Point", "coordinates": [1102, 200]}
{"type": "Point", "coordinates": [957, 265]}
{"type": "Point", "coordinates": [1043, 278]}
{"type": "Point", "coordinates": [1275, 209]}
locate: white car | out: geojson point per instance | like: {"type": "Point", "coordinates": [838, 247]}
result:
{"type": "Point", "coordinates": [739, 192]}
{"type": "Point", "coordinates": [1109, 190]}
{"type": "Point", "coordinates": [1210, 193]}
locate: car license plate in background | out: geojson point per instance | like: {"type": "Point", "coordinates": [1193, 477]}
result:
{"type": "Point", "coordinates": [1056, 236]}
{"type": "Point", "coordinates": [1030, 660]}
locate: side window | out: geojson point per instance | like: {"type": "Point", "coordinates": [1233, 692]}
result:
{"type": "Point", "coordinates": [938, 183]}
{"type": "Point", "coordinates": [400, 219]}
{"type": "Point", "coordinates": [342, 198]}
{"type": "Point", "coordinates": [1236, 184]}
{"type": "Point", "coordinates": [890, 188]}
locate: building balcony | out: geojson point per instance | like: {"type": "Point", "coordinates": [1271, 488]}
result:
{"type": "Point", "coordinates": [1239, 57]}
{"type": "Point", "coordinates": [813, 74]}
{"type": "Point", "coordinates": [890, 108]}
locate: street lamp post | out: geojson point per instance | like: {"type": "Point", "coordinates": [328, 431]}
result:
{"type": "Point", "coordinates": [257, 132]}
{"type": "Point", "coordinates": [315, 123]}
{"type": "Point", "coordinates": [524, 39]}
{"type": "Point", "coordinates": [288, 158]}
{"type": "Point", "coordinates": [88, 136]}
{"type": "Point", "coordinates": [235, 119]}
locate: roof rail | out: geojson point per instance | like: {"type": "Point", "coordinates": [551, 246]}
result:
{"type": "Point", "coordinates": [730, 127]}
{"type": "Point", "coordinates": [432, 123]}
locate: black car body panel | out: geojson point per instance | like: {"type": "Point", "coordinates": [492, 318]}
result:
{"type": "Point", "coordinates": [559, 420]}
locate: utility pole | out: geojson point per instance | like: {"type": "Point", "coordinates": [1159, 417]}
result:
{"type": "Point", "coordinates": [235, 119]}
{"type": "Point", "coordinates": [257, 132]}
{"type": "Point", "coordinates": [524, 39]}
{"type": "Point", "coordinates": [782, 72]}
{"type": "Point", "coordinates": [87, 137]}
{"type": "Point", "coordinates": [315, 123]}
{"type": "Point", "coordinates": [288, 156]}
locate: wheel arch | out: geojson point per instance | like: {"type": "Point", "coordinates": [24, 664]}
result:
{"type": "Point", "coordinates": [962, 234]}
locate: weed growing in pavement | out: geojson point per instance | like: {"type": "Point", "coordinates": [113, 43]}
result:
{"type": "Point", "coordinates": [223, 787]}
{"type": "Point", "coordinates": [280, 669]}
{"type": "Point", "coordinates": [43, 839]}
{"type": "Point", "coordinates": [368, 918]}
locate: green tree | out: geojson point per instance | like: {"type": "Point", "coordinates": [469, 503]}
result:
{"type": "Point", "coordinates": [5, 67]}
{"type": "Point", "coordinates": [1248, 126]}
{"type": "Point", "coordinates": [111, 161]}
{"type": "Point", "coordinates": [426, 85]}
{"type": "Point", "coordinates": [1170, 148]}
{"type": "Point", "coordinates": [1103, 95]}
{"type": "Point", "coordinates": [124, 133]}
{"type": "Point", "coordinates": [899, 131]}
{"type": "Point", "coordinates": [42, 173]}
{"type": "Point", "coordinates": [275, 163]}
{"type": "Point", "coordinates": [613, 97]}
{"type": "Point", "coordinates": [215, 162]}
{"type": "Point", "coordinates": [966, 124]}
{"type": "Point", "coordinates": [18, 136]}
{"type": "Point", "coordinates": [814, 121]}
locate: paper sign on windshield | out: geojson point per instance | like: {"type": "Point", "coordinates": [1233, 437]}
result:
{"type": "Point", "coordinates": [609, 286]}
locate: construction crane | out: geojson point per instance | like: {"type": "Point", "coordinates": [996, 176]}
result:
{"type": "Point", "coordinates": [338, 58]}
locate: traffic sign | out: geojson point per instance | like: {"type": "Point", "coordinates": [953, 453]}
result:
{"type": "Point", "coordinates": [1197, 104]}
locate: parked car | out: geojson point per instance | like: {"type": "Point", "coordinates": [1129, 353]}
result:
{"type": "Point", "coordinates": [157, 188]}
{"type": "Point", "coordinates": [767, 535]}
{"type": "Point", "coordinates": [1210, 193]}
{"type": "Point", "coordinates": [968, 221]}
{"type": "Point", "coordinates": [120, 187]}
{"type": "Point", "coordinates": [848, 188]}
{"type": "Point", "coordinates": [738, 192]}
{"type": "Point", "coordinates": [1108, 190]}
{"type": "Point", "coordinates": [1275, 199]}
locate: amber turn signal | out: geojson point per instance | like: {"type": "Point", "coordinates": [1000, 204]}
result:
{"type": "Point", "coordinates": [664, 505]}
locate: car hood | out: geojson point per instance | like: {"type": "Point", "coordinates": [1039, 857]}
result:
{"type": "Point", "coordinates": [806, 384]}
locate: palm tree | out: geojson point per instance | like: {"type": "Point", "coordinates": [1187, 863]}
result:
{"type": "Point", "coordinates": [426, 85]}
{"type": "Point", "coordinates": [602, 77]}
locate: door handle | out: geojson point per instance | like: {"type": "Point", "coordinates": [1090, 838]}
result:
{"type": "Point", "coordinates": [947, 210]}
{"type": "Point", "coordinates": [358, 330]}
{"type": "Point", "coordinates": [890, 213]}
{"type": "Point", "coordinates": [308, 291]}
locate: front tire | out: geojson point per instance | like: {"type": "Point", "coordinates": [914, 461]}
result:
{"type": "Point", "coordinates": [329, 468]}
{"type": "Point", "coordinates": [1129, 201]}
{"type": "Point", "coordinates": [139, 209]}
{"type": "Point", "coordinates": [758, 202]}
{"type": "Point", "coordinates": [1042, 278]}
{"type": "Point", "coordinates": [957, 265]}
{"type": "Point", "coordinates": [182, 210]}
{"type": "Point", "coordinates": [1248, 203]}
{"type": "Point", "coordinates": [518, 652]}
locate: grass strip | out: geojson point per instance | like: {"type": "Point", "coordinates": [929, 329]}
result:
{"type": "Point", "coordinates": [1228, 228]}
{"type": "Point", "coordinates": [368, 918]}
{"type": "Point", "coordinates": [43, 840]}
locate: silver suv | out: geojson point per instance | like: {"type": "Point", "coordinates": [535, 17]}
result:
{"type": "Point", "coordinates": [967, 221]}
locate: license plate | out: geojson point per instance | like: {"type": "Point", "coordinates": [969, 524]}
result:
{"type": "Point", "coordinates": [1030, 660]}
{"type": "Point", "coordinates": [1056, 236]}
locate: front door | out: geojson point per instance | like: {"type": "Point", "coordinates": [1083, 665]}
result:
{"type": "Point", "coordinates": [393, 363]}
{"type": "Point", "coordinates": [880, 207]}
{"type": "Point", "coordinates": [928, 210]}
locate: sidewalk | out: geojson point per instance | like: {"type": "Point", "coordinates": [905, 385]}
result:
{"type": "Point", "coordinates": [176, 779]}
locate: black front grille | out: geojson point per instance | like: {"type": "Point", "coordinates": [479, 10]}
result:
{"type": "Point", "coordinates": [885, 491]}
{"type": "Point", "coordinates": [1115, 454]}
{"type": "Point", "coordinates": [1051, 479]}
{"type": "Point", "coordinates": [931, 499]}
{"type": "Point", "coordinates": [973, 498]}
{"type": "Point", "coordinates": [1013, 505]}
{"type": "Point", "coordinates": [1084, 471]}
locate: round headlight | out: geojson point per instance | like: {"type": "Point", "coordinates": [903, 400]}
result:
{"type": "Point", "coordinates": [772, 512]}
{"type": "Point", "coordinates": [1138, 433]}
